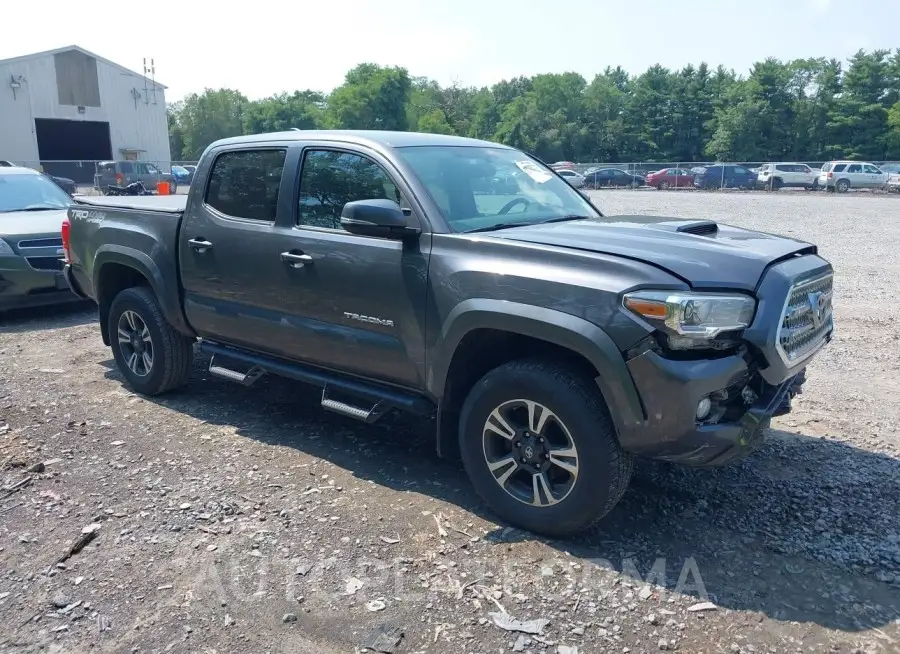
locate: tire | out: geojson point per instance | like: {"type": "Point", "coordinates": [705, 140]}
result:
{"type": "Point", "coordinates": [137, 311]}
{"type": "Point", "coordinates": [842, 186]}
{"type": "Point", "coordinates": [815, 185]}
{"type": "Point", "coordinates": [579, 421]}
{"type": "Point", "coordinates": [662, 186]}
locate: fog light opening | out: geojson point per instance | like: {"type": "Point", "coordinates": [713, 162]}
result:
{"type": "Point", "coordinates": [703, 408]}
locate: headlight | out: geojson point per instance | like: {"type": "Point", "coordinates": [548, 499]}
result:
{"type": "Point", "coordinates": [5, 250]}
{"type": "Point", "coordinates": [692, 315]}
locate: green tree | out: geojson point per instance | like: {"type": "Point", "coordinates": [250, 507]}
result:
{"type": "Point", "coordinates": [211, 115]}
{"type": "Point", "coordinates": [371, 97]}
{"type": "Point", "coordinates": [301, 109]}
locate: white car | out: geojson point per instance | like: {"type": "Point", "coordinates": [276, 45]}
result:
{"type": "Point", "coordinates": [893, 171]}
{"type": "Point", "coordinates": [574, 179]}
{"type": "Point", "coordinates": [787, 175]}
{"type": "Point", "coordinates": [841, 176]}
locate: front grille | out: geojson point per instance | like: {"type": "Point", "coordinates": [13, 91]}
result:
{"type": "Point", "coordinates": [807, 319]}
{"type": "Point", "coordinates": [45, 263]}
{"type": "Point", "coordinates": [41, 243]}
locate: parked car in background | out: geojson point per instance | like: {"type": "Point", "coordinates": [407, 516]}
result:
{"type": "Point", "coordinates": [123, 173]}
{"type": "Point", "coordinates": [563, 165]}
{"type": "Point", "coordinates": [724, 176]}
{"type": "Point", "coordinates": [841, 176]}
{"type": "Point", "coordinates": [192, 169]}
{"type": "Point", "coordinates": [604, 177]}
{"type": "Point", "coordinates": [670, 178]}
{"type": "Point", "coordinates": [182, 175]}
{"type": "Point", "coordinates": [893, 173]}
{"type": "Point", "coordinates": [774, 176]}
{"type": "Point", "coordinates": [32, 210]}
{"type": "Point", "coordinates": [576, 180]}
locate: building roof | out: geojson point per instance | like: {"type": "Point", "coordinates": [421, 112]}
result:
{"type": "Point", "coordinates": [68, 48]}
{"type": "Point", "coordinates": [384, 138]}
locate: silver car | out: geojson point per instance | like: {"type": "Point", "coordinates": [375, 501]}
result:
{"type": "Point", "coordinates": [32, 209]}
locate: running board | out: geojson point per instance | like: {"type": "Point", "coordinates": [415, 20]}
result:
{"type": "Point", "coordinates": [243, 378]}
{"type": "Point", "coordinates": [380, 397]}
{"type": "Point", "coordinates": [366, 415]}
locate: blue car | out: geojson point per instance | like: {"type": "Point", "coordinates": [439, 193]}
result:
{"type": "Point", "coordinates": [182, 175]}
{"type": "Point", "coordinates": [724, 176]}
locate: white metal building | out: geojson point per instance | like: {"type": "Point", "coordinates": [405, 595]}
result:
{"type": "Point", "coordinates": [68, 105]}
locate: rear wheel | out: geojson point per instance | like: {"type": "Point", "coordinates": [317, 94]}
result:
{"type": "Point", "coordinates": [663, 185]}
{"type": "Point", "coordinates": [842, 186]}
{"type": "Point", "coordinates": [540, 448]}
{"type": "Point", "coordinates": [151, 355]}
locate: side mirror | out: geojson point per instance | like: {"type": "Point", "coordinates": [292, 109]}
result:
{"type": "Point", "coordinates": [382, 218]}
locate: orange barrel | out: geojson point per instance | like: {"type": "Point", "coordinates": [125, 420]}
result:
{"type": "Point", "coordinates": [162, 188]}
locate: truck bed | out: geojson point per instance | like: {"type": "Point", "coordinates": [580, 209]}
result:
{"type": "Point", "coordinates": [163, 203]}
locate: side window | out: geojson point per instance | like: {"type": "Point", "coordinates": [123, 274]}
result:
{"type": "Point", "coordinates": [839, 168]}
{"type": "Point", "coordinates": [244, 184]}
{"type": "Point", "coordinates": [126, 167]}
{"type": "Point", "coordinates": [330, 179]}
{"type": "Point", "coordinates": [854, 168]}
{"type": "Point", "coordinates": [140, 168]}
{"type": "Point", "coordinates": [783, 168]}
{"type": "Point", "coordinates": [740, 170]}
{"type": "Point", "coordinates": [871, 169]}
{"type": "Point", "coordinates": [153, 170]}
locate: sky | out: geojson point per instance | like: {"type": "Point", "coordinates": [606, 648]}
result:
{"type": "Point", "coordinates": [263, 47]}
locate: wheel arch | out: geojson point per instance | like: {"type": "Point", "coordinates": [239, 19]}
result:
{"type": "Point", "coordinates": [116, 268]}
{"type": "Point", "coordinates": [480, 334]}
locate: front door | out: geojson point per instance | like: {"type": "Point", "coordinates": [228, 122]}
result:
{"type": "Point", "coordinates": [358, 303]}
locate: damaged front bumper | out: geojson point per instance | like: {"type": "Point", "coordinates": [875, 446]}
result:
{"type": "Point", "coordinates": [741, 405]}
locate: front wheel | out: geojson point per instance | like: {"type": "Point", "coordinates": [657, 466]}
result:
{"type": "Point", "coordinates": [538, 444]}
{"type": "Point", "coordinates": [151, 355]}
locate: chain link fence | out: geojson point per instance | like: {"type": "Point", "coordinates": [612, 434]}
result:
{"type": "Point", "coordinates": [93, 177]}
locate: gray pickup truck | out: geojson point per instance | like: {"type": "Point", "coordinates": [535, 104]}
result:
{"type": "Point", "coordinates": [466, 280]}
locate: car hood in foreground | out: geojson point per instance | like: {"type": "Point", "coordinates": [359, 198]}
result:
{"type": "Point", "coordinates": [717, 256]}
{"type": "Point", "coordinates": [17, 225]}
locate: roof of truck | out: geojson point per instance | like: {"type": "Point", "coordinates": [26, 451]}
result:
{"type": "Point", "coordinates": [382, 138]}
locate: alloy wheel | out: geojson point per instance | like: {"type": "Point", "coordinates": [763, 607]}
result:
{"type": "Point", "coordinates": [135, 343]}
{"type": "Point", "coordinates": [530, 452]}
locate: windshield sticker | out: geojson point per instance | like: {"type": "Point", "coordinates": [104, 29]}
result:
{"type": "Point", "coordinates": [534, 171]}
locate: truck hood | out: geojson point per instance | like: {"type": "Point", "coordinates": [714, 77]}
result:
{"type": "Point", "coordinates": [703, 253]}
{"type": "Point", "coordinates": [17, 225]}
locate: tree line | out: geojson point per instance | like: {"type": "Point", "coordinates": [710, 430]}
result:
{"type": "Point", "coordinates": [806, 110]}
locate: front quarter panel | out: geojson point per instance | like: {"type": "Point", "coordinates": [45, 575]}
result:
{"type": "Point", "coordinates": [566, 297]}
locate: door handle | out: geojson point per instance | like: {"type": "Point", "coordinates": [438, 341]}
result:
{"type": "Point", "coordinates": [296, 259]}
{"type": "Point", "coordinates": [199, 244]}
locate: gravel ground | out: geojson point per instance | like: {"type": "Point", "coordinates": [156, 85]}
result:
{"type": "Point", "coordinates": [224, 519]}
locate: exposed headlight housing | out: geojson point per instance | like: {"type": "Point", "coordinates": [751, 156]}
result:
{"type": "Point", "coordinates": [692, 319]}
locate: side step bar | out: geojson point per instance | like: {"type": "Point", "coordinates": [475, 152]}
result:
{"type": "Point", "coordinates": [344, 408]}
{"type": "Point", "coordinates": [243, 378]}
{"type": "Point", "coordinates": [381, 398]}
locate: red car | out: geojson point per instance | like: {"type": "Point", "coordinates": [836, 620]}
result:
{"type": "Point", "coordinates": [671, 178]}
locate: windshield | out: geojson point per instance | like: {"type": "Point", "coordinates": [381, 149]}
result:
{"type": "Point", "coordinates": [30, 193]}
{"type": "Point", "coordinates": [477, 188]}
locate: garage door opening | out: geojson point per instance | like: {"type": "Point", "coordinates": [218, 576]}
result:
{"type": "Point", "coordinates": [69, 148]}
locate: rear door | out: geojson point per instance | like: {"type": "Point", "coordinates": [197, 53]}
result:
{"type": "Point", "coordinates": [856, 176]}
{"type": "Point", "coordinates": [229, 248]}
